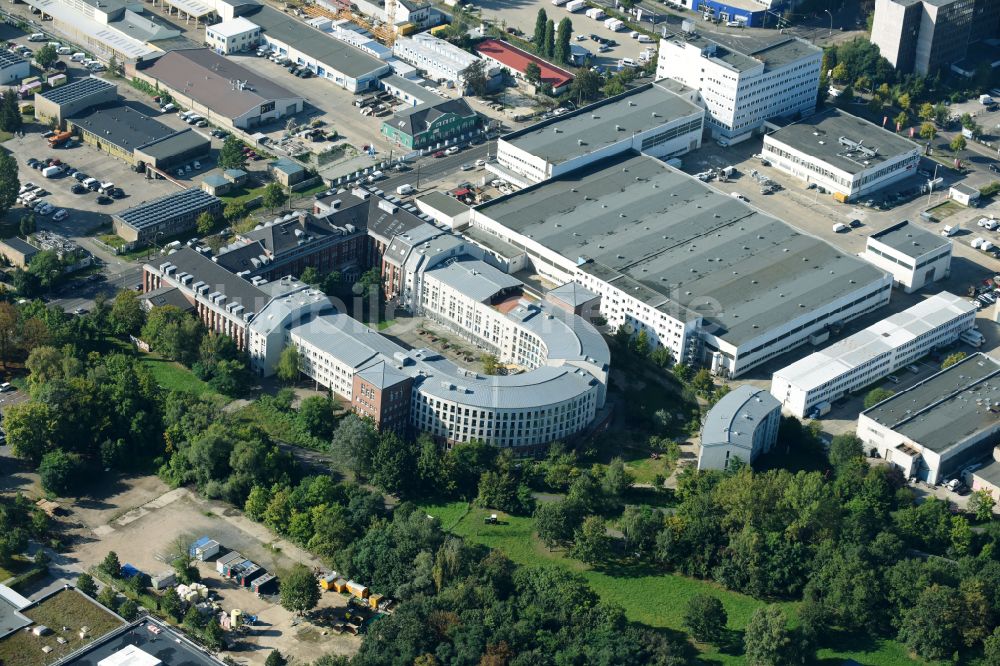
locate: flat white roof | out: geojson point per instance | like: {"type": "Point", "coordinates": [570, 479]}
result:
{"type": "Point", "coordinates": [233, 27]}
{"type": "Point", "coordinates": [130, 655]}
{"type": "Point", "coordinates": [880, 338]}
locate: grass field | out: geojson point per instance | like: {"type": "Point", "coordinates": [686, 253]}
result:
{"type": "Point", "coordinates": [67, 608]}
{"type": "Point", "coordinates": [173, 376]}
{"type": "Point", "coordinates": [648, 595]}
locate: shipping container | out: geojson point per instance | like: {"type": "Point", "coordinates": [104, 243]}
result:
{"type": "Point", "coordinates": [264, 584]}
{"type": "Point", "coordinates": [230, 569]}
{"type": "Point", "coordinates": [374, 600]}
{"type": "Point", "coordinates": [56, 80]}
{"type": "Point", "coordinates": [357, 589]}
{"type": "Point", "coordinates": [245, 574]}
{"type": "Point", "coordinates": [204, 549]}
{"type": "Point", "coordinates": [163, 580]}
{"type": "Point", "coordinates": [225, 560]}
{"type": "Point", "coordinates": [326, 582]}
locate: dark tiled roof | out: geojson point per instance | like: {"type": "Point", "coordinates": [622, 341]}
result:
{"type": "Point", "coordinates": [418, 119]}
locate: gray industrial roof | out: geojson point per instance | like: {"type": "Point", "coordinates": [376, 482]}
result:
{"type": "Point", "coordinates": [833, 137]}
{"type": "Point", "coordinates": [207, 77]}
{"type": "Point", "coordinates": [748, 49]}
{"type": "Point", "coordinates": [411, 88]}
{"type": "Point", "coordinates": [71, 92]}
{"type": "Point", "coordinates": [733, 419]}
{"type": "Point", "coordinates": [948, 407]}
{"type": "Point", "coordinates": [493, 243]}
{"type": "Point", "coordinates": [11, 618]}
{"type": "Point", "coordinates": [592, 128]}
{"type": "Point", "coordinates": [168, 207]}
{"type": "Point", "coordinates": [444, 203]}
{"type": "Point", "coordinates": [910, 239]}
{"type": "Point", "coordinates": [382, 374]}
{"type": "Point", "coordinates": [167, 645]}
{"type": "Point", "coordinates": [22, 246]}
{"type": "Point", "coordinates": [660, 235]}
{"type": "Point", "coordinates": [121, 126]}
{"type": "Point", "coordinates": [474, 278]}
{"type": "Point", "coordinates": [8, 59]}
{"type": "Point", "coordinates": [334, 53]}
{"type": "Point", "coordinates": [572, 293]}
{"type": "Point", "coordinates": [179, 143]}
{"type": "Point", "coordinates": [157, 298]}
{"type": "Point", "coordinates": [287, 165]}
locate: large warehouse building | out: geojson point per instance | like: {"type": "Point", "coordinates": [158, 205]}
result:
{"type": "Point", "coordinates": [652, 118]}
{"type": "Point", "coordinates": [869, 355]}
{"type": "Point", "coordinates": [704, 275]}
{"type": "Point", "coordinates": [744, 79]}
{"type": "Point", "coordinates": [915, 257]}
{"type": "Point", "coordinates": [220, 89]}
{"type": "Point", "coordinates": [844, 154]}
{"type": "Point", "coordinates": [934, 429]}
{"type": "Point", "coordinates": [133, 137]}
{"type": "Point", "coordinates": [58, 104]}
{"type": "Point", "coordinates": [164, 217]}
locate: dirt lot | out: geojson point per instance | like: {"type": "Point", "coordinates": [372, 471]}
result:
{"type": "Point", "coordinates": [142, 519]}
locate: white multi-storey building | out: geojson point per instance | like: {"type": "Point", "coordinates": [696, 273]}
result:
{"type": "Point", "coordinates": [703, 274]}
{"type": "Point", "coordinates": [744, 80]}
{"type": "Point", "coordinates": [844, 154]}
{"type": "Point", "coordinates": [440, 60]}
{"type": "Point", "coordinates": [743, 424]}
{"type": "Point", "coordinates": [233, 36]}
{"type": "Point", "coordinates": [661, 119]}
{"type": "Point", "coordinates": [869, 355]}
{"type": "Point", "coordinates": [915, 257]}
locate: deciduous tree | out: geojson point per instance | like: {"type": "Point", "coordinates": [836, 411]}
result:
{"type": "Point", "coordinates": [705, 618]}
{"type": "Point", "coordinates": [299, 590]}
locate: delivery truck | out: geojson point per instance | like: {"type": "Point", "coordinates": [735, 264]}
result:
{"type": "Point", "coordinates": [595, 13]}
{"type": "Point", "coordinates": [575, 5]}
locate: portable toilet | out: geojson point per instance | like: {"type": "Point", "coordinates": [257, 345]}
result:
{"type": "Point", "coordinates": [222, 562]}
{"type": "Point", "coordinates": [374, 600]}
{"type": "Point", "coordinates": [357, 589]}
{"type": "Point", "coordinates": [340, 585]}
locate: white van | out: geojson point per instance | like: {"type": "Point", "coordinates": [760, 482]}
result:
{"type": "Point", "coordinates": [184, 115]}
{"type": "Point", "coordinates": [627, 62]}
{"type": "Point", "coordinates": [51, 171]}
{"type": "Point", "coordinates": [37, 37]}
{"type": "Point", "coordinates": [645, 39]}
{"type": "Point", "coordinates": [405, 189]}
{"type": "Point", "coordinates": [167, 108]}
{"type": "Point", "coordinates": [78, 56]}
{"type": "Point", "coordinates": [949, 231]}
{"type": "Point", "coordinates": [64, 50]}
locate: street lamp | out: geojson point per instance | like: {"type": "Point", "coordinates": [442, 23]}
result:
{"type": "Point", "coordinates": [831, 21]}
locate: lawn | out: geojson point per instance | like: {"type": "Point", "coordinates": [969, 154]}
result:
{"type": "Point", "coordinates": [242, 194]}
{"type": "Point", "coordinates": [67, 608]}
{"type": "Point", "coordinates": [647, 595]}
{"type": "Point", "coordinates": [945, 209]}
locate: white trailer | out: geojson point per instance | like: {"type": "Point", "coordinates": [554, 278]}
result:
{"type": "Point", "coordinates": [614, 24]}
{"type": "Point", "coordinates": [575, 5]}
{"type": "Point", "coordinates": [595, 13]}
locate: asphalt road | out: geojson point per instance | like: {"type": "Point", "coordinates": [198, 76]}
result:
{"type": "Point", "coordinates": [429, 169]}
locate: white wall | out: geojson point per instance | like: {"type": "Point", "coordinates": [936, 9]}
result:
{"type": "Point", "coordinates": [910, 273]}
{"type": "Point", "coordinates": [15, 73]}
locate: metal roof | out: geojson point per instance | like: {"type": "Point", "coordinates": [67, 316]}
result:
{"type": "Point", "coordinates": [749, 49]}
{"type": "Point", "coordinates": [443, 203]}
{"type": "Point", "coordinates": [733, 419]}
{"type": "Point", "coordinates": [947, 408]}
{"type": "Point", "coordinates": [22, 246]}
{"type": "Point", "coordinates": [846, 142]}
{"type": "Point", "coordinates": [572, 294]}
{"type": "Point", "coordinates": [473, 278]}
{"type": "Point", "coordinates": [209, 78]}
{"type": "Point", "coordinates": [878, 339]}
{"type": "Point", "coordinates": [595, 127]}
{"type": "Point", "coordinates": [909, 239]}
{"type": "Point", "coordinates": [334, 53]}
{"type": "Point", "coordinates": [166, 208]}
{"type": "Point", "coordinates": [418, 119]}
{"type": "Point", "coordinates": [179, 143]}
{"type": "Point", "coordinates": [670, 241]}
{"type": "Point", "coordinates": [77, 90]}
{"type": "Point", "coordinates": [122, 126]}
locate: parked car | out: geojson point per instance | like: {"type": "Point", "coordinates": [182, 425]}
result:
{"type": "Point", "coordinates": [104, 200]}
{"type": "Point", "coordinates": [78, 189]}
{"type": "Point", "coordinates": [438, 154]}
{"type": "Point", "coordinates": [60, 215]}
{"type": "Point", "coordinates": [453, 150]}
{"type": "Point", "coordinates": [117, 193]}
{"type": "Point", "coordinates": [80, 176]}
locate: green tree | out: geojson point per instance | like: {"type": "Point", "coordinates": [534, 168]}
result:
{"type": "Point", "coordinates": [640, 525]}
{"type": "Point", "coordinates": [288, 365]}
{"type": "Point", "coordinates": [952, 359]}
{"type": "Point", "coordinates": [532, 72]}
{"type": "Point", "coordinates": [46, 56]}
{"type": "Point", "coordinates": [299, 590]}
{"type": "Point", "coordinates": [932, 626]}
{"type": "Point", "coordinates": [490, 363]}
{"type": "Point", "coordinates": [257, 502]}
{"type": "Point", "coordinates": [85, 583]}
{"type": "Point", "coordinates": [591, 543]}
{"type": "Point", "coordinates": [234, 210]}
{"type": "Point", "coordinates": [173, 333]}
{"type": "Point", "coordinates": [213, 635]}
{"type": "Point", "coordinates": [706, 618]}
{"type": "Point", "coordinates": [9, 184]}
{"type": "Point", "coordinates": [840, 73]}
{"type": "Point", "coordinates": [538, 37]}
{"type": "Point", "coordinates": [556, 522]}
{"type": "Point", "coordinates": [564, 33]}
{"type": "Point", "coordinates": [876, 396]}
{"type": "Point", "coordinates": [111, 565]}
{"type": "Point", "coordinates": [957, 144]}
{"type": "Point", "coordinates": [586, 86]}
{"type": "Point", "coordinates": [27, 225]}
{"type": "Point", "coordinates": [550, 38]}
{"type": "Point", "coordinates": [316, 416]}
{"type": "Point", "coordinates": [127, 314]}
{"type": "Point", "coordinates": [231, 154]}
{"type": "Point", "coordinates": [10, 112]}
{"type": "Point", "coordinates": [617, 479]}
{"type": "Point", "coordinates": [904, 102]}
{"type": "Point", "coordinates": [928, 131]}
{"type": "Point", "coordinates": [275, 658]}
{"type": "Point", "coordinates": [108, 597]}
{"type": "Point", "coordinates": [47, 267]}
{"type": "Point", "coordinates": [844, 449]}
{"type": "Point", "coordinates": [171, 604]}
{"type": "Point", "coordinates": [981, 505]}
{"type": "Point", "coordinates": [901, 120]}
{"type": "Point", "coordinates": [128, 610]}
{"type": "Point", "coordinates": [767, 640]}
{"type": "Point", "coordinates": [59, 472]}
{"type": "Point", "coordinates": [205, 223]}
{"type": "Point", "coordinates": [476, 78]}
{"type": "Point", "coordinates": [926, 111]}
{"type": "Point", "coordinates": [30, 428]}
{"type": "Point", "coordinates": [991, 649]}
{"type": "Point", "coordinates": [273, 197]}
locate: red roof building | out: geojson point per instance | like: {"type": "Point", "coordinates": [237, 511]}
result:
{"type": "Point", "coordinates": [516, 60]}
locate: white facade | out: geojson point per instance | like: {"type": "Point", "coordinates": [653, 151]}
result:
{"type": "Point", "coordinates": [743, 424]}
{"type": "Point", "coordinates": [871, 354]}
{"type": "Point", "coordinates": [441, 60]}
{"type": "Point", "coordinates": [417, 13]}
{"type": "Point", "coordinates": [914, 264]}
{"type": "Point", "coordinates": [13, 69]}
{"type": "Point", "coordinates": [232, 36]}
{"type": "Point", "coordinates": [932, 430]}
{"type": "Point", "coordinates": [740, 91]}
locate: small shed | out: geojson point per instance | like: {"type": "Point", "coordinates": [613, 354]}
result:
{"type": "Point", "coordinates": [162, 581]}
{"type": "Point", "coordinates": [374, 600]}
{"type": "Point", "coordinates": [216, 184]}
{"type": "Point", "coordinates": [326, 582]}
{"type": "Point", "coordinates": [204, 548]}
{"type": "Point", "coordinates": [340, 585]}
{"type": "Point", "coordinates": [286, 171]}
{"type": "Point", "coordinates": [235, 176]}
{"type": "Point", "coordinates": [357, 589]}
{"type": "Point", "coordinates": [227, 559]}
{"type": "Point", "coordinates": [964, 194]}
{"type": "Point", "coordinates": [232, 568]}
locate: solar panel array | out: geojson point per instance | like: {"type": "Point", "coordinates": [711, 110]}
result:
{"type": "Point", "coordinates": [171, 206]}
{"type": "Point", "coordinates": [76, 90]}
